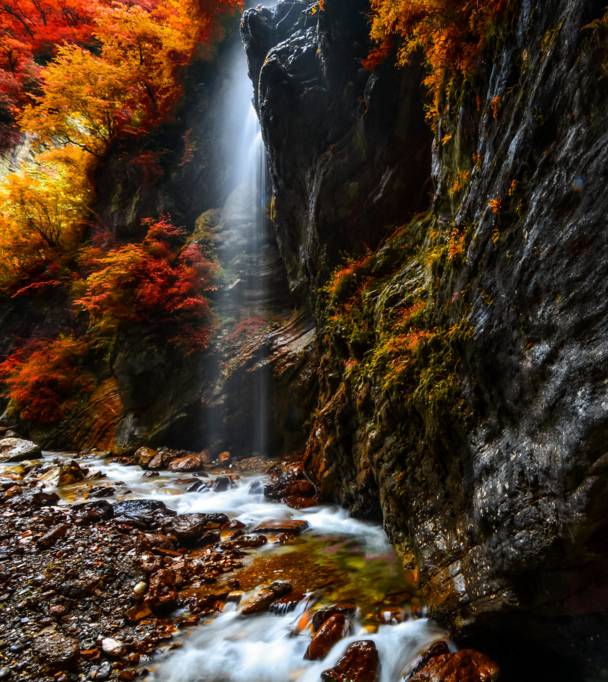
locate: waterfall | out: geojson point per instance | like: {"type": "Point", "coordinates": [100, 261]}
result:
{"type": "Point", "coordinates": [243, 251]}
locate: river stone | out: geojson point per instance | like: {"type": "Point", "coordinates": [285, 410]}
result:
{"type": "Point", "coordinates": [18, 450]}
{"type": "Point", "coordinates": [463, 666]}
{"type": "Point", "coordinates": [360, 663]}
{"type": "Point", "coordinates": [144, 455]}
{"type": "Point", "coordinates": [113, 648]}
{"type": "Point", "coordinates": [264, 597]}
{"type": "Point", "coordinates": [55, 649]}
{"type": "Point", "coordinates": [192, 462]}
{"type": "Point", "coordinates": [330, 632]}
{"type": "Point", "coordinates": [289, 526]}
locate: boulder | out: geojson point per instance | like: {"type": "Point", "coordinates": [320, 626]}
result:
{"type": "Point", "coordinates": [18, 450]}
{"type": "Point", "coordinates": [194, 461]}
{"type": "Point", "coordinates": [331, 631]}
{"type": "Point", "coordinates": [264, 597]}
{"type": "Point", "coordinates": [360, 663]}
{"type": "Point", "coordinates": [463, 666]}
{"type": "Point", "coordinates": [288, 526]}
{"type": "Point", "coordinates": [50, 538]}
{"type": "Point", "coordinates": [143, 456]}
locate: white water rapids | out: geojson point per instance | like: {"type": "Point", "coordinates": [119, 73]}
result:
{"type": "Point", "coordinates": [230, 647]}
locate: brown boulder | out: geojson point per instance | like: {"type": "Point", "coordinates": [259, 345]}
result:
{"type": "Point", "coordinates": [360, 663]}
{"type": "Point", "coordinates": [290, 526]}
{"type": "Point", "coordinates": [463, 666]}
{"type": "Point", "coordinates": [162, 592]}
{"type": "Point", "coordinates": [264, 597]}
{"type": "Point", "coordinates": [330, 632]}
{"type": "Point", "coordinates": [144, 456]}
{"type": "Point", "coordinates": [195, 461]}
{"type": "Point", "coordinates": [50, 538]}
{"type": "Point", "coordinates": [321, 615]}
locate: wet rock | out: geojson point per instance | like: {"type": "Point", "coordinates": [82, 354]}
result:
{"type": "Point", "coordinates": [189, 528]}
{"type": "Point", "coordinates": [198, 487]}
{"type": "Point", "coordinates": [288, 526]}
{"type": "Point", "coordinates": [64, 474]}
{"type": "Point", "coordinates": [360, 663]}
{"type": "Point", "coordinates": [436, 649]}
{"type": "Point", "coordinates": [142, 513]}
{"type": "Point", "coordinates": [463, 666]}
{"type": "Point", "coordinates": [331, 631]}
{"type": "Point", "coordinates": [321, 615]}
{"type": "Point", "coordinates": [245, 542]}
{"type": "Point", "coordinates": [113, 648]}
{"type": "Point", "coordinates": [151, 540]}
{"type": "Point", "coordinates": [221, 484]}
{"type": "Point", "coordinates": [143, 456]}
{"type": "Point", "coordinates": [42, 499]}
{"type": "Point", "coordinates": [264, 597]}
{"type": "Point", "coordinates": [106, 491]}
{"type": "Point", "coordinates": [162, 592]}
{"type": "Point", "coordinates": [93, 512]}
{"type": "Point", "coordinates": [18, 450]}
{"type": "Point", "coordinates": [50, 538]}
{"type": "Point", "coordinates": [55, 649]}
{"type": "Point", "coordinates": [192, 462]}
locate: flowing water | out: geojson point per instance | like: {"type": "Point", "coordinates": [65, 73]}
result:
{"type": "Point", "coordinates": [338, 559]}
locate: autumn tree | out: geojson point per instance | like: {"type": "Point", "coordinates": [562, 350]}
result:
{"type": "Point", "coordinates": [159, 283]}
{"type": "Point", "coordinates": [46, 379]}
{"type": "Point", "coordinates": [43, 213]}
{"type": "Point", "coordinates": [130, 84]}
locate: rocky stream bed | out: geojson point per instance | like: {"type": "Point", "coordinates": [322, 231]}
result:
{"type": "Point", "coordinates": [181, 568]}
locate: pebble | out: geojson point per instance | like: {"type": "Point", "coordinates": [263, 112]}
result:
{"type": "Point", "coordinates": [113, 648]}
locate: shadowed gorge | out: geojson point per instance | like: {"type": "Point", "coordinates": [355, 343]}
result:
{"type": "Point", "coordinates": [304, 340]}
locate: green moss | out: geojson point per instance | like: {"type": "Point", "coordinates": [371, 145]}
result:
{"type": "Point", "coordinates": [384, 322]}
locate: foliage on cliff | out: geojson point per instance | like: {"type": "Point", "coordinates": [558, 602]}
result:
{"type": "Point", "coordinates": [451, 34]}
{"type": "Point", "coordinates": [158, 283]}
{"type": "Point", "coordinates": [46, 378]}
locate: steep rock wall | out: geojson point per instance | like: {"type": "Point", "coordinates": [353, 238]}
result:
{"type": "Point", "coordinates": [463, 364]}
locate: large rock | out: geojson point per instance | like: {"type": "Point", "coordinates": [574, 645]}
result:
{"type": "Point", "coordinates": [348, 149]}
{"type": "Point", "coordinates": [18, 450]}
{"type": "Point", "coordinates": [462, 666]}
{"type": "Point", "coordinates": [360, 663]}
{"type": "Point", "coordinates": [331, 631]}
{"type": "Point", "coordinates": [264, 596]}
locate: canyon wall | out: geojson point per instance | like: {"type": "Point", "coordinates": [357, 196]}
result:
{"type": "Point", "coordinates": [463, 372]}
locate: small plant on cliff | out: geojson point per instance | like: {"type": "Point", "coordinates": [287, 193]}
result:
{"type": "Point", "coordinates": [47, 378]}
{"type": "Point", "coordinates": [159, 283]}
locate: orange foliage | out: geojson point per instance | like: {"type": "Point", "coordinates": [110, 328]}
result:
{"type": "Point", "coordinates": [46, 379]}
{"type": "Point", "coordinates": [157, 283]}
{"type": "Point", "coordinates": [43, 208]}
{"type": "Point", "coordinates": [128, 85]}
{"type": "Point", "coordinates": [449, 33]}
{"type": "Point", "coordinates": [29, 33]}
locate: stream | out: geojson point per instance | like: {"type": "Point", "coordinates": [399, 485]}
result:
{"type": "Point", "coordinates": [336, 560]}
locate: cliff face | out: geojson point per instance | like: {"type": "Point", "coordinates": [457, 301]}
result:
{"type": "Point", "coordinates": [463, 362]}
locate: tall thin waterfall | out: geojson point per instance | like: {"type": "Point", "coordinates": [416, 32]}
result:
{"type": "Point", "coordinates": [243, 248]}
